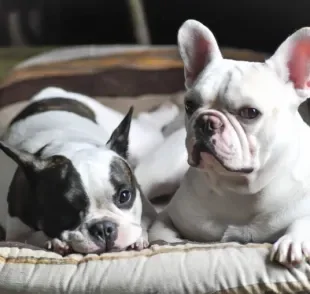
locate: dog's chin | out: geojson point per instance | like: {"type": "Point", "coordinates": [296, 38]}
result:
{"type": "Point", "coordinates": [87, 246]}
{"type": "Point", "coordinates": [206, 158]}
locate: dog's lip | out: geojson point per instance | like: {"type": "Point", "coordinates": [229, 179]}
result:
{"type": "Point", "coordinates": [198, 148]}
{"type": "Point", "coordinates": [103, 246]}
{"type": "Point", "coordinates": [206, 147]}
{"type": "Point", "coordinates": [107, 248]}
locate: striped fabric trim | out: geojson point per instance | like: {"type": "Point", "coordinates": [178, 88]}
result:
{"type": "Point", "coordinates": [152, 251]}
{"type": "Point", "coordinates": [104, 71]}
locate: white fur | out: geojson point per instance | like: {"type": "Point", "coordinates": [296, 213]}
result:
{"type": "Point", "coordinates": [158, 181]}
{"type": "Point", "coordinates": [271, 204]}
{"type": "Point", "coordinates": [145, 132]}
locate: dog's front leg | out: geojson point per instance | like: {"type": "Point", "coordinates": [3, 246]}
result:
{"type": "Point", "coordinates": [294, 246]}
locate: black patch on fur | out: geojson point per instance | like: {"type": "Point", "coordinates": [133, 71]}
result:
{"type": "Point", "coordinates": [122, 178]}
{"type": "Point", "coordinates": [59, 104]}
{"type": "Point", "coordinates": [201, 147]}
{"type": "Point", "coordinates": [46, 194]}
{"type": "Point", "coordinates": [192, 102]}
{"type": "Point", "coordinates": [61, 198]}
{"type": "Point", "coordinates": [119, 139]}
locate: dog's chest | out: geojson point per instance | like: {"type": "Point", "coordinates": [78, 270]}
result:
{"type": "Point", "coordinates": [201, 226]}
{"type": "Point", "coordinates": [193, 220]}
{"type": "Point", "coordinates": [210, 218]}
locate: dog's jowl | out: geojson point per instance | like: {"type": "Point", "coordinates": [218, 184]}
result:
{"type": "Point", "coordinates": [74, 188]}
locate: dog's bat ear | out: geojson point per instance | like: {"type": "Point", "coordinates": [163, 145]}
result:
{"type": "Point", "coordinates": [291, 62]}
{"type": "Point", "coordinates": [27, 161]}
{"type": "Point", "coordinates": [119, 139]}
{"type": "Point", "coordinates": [197, 47]}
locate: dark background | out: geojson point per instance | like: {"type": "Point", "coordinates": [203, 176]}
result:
{"type": "Point", "coordinates": [260, 25]}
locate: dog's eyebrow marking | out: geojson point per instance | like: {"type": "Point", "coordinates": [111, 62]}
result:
{"type": "Point", "coordinates": [122, 177]}
{"type": "Point", "coordinates": [194, 96]}
{"type": "Point", "coordinates": [57, 104]}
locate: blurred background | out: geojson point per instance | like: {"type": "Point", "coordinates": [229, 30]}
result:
{"type": "Point", "coordinates": [259, 25]}
{"type": "Point", "coordinates": [29, 27]}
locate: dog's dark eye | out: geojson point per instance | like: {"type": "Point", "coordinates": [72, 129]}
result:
{"type": "Point", "coordinates": [190, 107]}
{"type": "Point", "coordinates": [249, 113]}
{"type": "Point", "coordinates": [124, 196]}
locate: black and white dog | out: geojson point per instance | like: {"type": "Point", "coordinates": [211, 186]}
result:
{"type": "Point", "coordinates": [74, 188]}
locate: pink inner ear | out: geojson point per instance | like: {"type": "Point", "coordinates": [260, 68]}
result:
{"type": "Point", "coordinates": [200, 57]}
{"type": "Point", "coordinates": [298, 64]}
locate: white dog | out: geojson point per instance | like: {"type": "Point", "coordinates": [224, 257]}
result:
{"type": "Point", "coordinates": [247, 146]}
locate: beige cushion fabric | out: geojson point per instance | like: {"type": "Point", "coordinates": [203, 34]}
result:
{"type": "Point", "coordinates": [180, 269]}
{"type": "Point", "coordinates": [189, 268]}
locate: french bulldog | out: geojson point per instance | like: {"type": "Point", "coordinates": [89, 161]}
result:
{"type": "Point", "coordinates": [74, 188]}
{"type": "Point", "coordinates": [248, 175]}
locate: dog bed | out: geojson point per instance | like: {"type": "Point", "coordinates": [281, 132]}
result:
{"type": "Point", "coordinates": [119, 77]}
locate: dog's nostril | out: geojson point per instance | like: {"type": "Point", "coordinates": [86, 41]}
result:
{"type": "Point", "coordinates": [97, 230]}
{"type": "Point", "coordinates": [100, 234]}
{"type": "Point", "coordinates": [108, 231]}
{"type": "Point", "coordinates": [207, 126]}
{"type": "Point", "coordinates": [210, 125]}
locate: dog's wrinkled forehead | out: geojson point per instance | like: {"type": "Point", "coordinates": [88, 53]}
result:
{"type": "Point", "coordinates": [230, 83]}
{"type": "Point", "coordinates": [217, 79]}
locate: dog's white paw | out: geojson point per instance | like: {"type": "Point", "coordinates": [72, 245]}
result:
{"type": "Point", "coordinates": [140, 244]}
{"type": "Point", "coordinates": [58, 246]}
{"type": "Point", "coordinates": [289, 251]}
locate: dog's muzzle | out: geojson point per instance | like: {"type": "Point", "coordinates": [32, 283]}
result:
{"type": "Point", "coordinates": [205, 127]}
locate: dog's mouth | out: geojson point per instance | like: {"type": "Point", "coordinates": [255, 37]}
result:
{"type": "Point", "coordinates": [92, 247]}
{"type": "Point", "coordinates": [83, 241]}
{"type": "Point", "coordinates": [206, 146]}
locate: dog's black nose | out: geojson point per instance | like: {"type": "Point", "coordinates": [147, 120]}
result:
{"type": "Point", "coordinates": [208, 125]}
{"type": "Point", "coordinates": [104, 230]}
